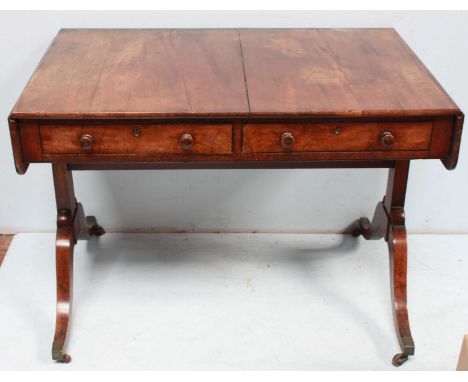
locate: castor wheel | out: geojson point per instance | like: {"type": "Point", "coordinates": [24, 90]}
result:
{"type": "Point", "coordinates": [399, 359]}
{"type": "Point", "coordinates": [65, 359]}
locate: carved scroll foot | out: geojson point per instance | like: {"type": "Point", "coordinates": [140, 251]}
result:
{"type": "Point", "coordinates": [64, 246]}
{"type": "Point", "coordinates": [375, 230]}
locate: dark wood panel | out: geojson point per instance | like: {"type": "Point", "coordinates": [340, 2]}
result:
{"type": "Point", "coordinates": [20, 165]}
{"type": "Point", "coordinates": [30, 141]}
{"type": "Point", "coordinates": [265, 138]}
{"type": "Point", "coordinates": [441, 137]}
{"type": "Point", "coordinates": [450, 162]}
{"type": "Point", "coordinates": [128, 72]}
{"type": "Point", "coordinates": [384, 74]}
{"type": "Point", "coordinates": [98, 73]}
{"type": "Point", "coordinates": [136, 139]}
{"type": "Point", "coordinates": [338, 72]}
{"type": "Point", "coordinates": [292, 71]}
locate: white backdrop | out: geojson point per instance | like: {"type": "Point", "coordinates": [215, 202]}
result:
{"type": "Point", "coordinates": [234, 200]}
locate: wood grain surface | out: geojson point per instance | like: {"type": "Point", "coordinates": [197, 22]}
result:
{"type": "Point", "coordinates": [95, 86]}
{"type": "Point", "coordinates": [149, 139]}
{"type": "Point", "coordinates": [98, 73]}
{"type": "Point", "coordinates": [266, 137]}
{"type": "Point", "coordinates": [137, 72]}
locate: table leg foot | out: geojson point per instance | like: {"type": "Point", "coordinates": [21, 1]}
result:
{"type": "Point", "coordinates": [88, 226]}
{"type": "Point", "coordinates": [399, 359]}
{"type": "Point", "coordinates": [374, 230]}
{"type": "Point", "coordinates": [397, 246]}
{"type": "Point", "coordinates": [94, 229]}
{"type": "Point", "coordinates": [62, 358]}
{"type": "Point", "coordinates": [360, 226]}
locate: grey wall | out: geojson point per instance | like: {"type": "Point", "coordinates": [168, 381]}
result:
{"type": "Point", "coordinates": [234, 200]}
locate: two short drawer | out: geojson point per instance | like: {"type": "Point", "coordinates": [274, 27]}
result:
{"type": "Point", "coordinates": [218, 138]}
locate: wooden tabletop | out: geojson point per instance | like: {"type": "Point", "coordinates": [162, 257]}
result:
{"type": "Point", "coordinates": [151, 73]}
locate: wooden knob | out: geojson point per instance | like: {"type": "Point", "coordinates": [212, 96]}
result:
{"type": "Point", "coordinates": [387, 138]}
{"type": "Point", "coordinates": [287, 140]}
{"type": "Point", "coordinates": [186, 141]}
{"type": "Point", "coordinates": [86, 141]}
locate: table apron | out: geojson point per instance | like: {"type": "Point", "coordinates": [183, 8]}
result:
{"type": "Point", "coordinates": [233, 145]}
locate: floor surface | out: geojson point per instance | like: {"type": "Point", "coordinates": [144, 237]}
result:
{"type": "Point", "coordinates": [233, 301]}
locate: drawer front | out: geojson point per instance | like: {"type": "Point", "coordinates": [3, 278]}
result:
{"type": "Point", "coordinates": [136, 139]}
{"type": "Point", "coordinates": [366, 136]}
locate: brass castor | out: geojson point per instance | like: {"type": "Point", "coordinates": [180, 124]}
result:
{"type": "Point", "coordinates": [399, 359]}
{"type": "Point", "coordinates": [65, 359]}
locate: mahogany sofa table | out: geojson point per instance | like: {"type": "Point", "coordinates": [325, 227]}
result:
{"type": "Point", "coordinates": [233, 98]}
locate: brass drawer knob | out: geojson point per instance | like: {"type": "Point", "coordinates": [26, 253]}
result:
{"type": "Point", "coordinates": [186, 141]}
{"type": "Point", "coordinates": [86, 141]}
{"type": "Point", "coordinates": [387, 139]}
{"type": "Point", "coordinates": [287, 140]}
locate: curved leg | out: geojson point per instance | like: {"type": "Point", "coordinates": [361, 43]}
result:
{"type": "Point", "coordinates": [64, 267]}
{"type": "Point", "coordinates": [398, 271]}
{"type": "Point", "coordinates": [71, 226]}
{"type": "Point", "coordinates": [389, 223]}
{"type": "Point", "coordinates": [394, 203]}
